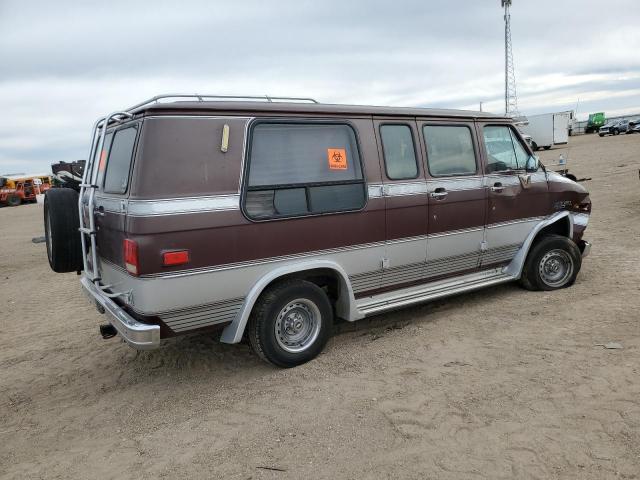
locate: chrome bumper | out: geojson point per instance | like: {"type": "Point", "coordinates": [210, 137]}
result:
{"type": "Point", "coordinates": [140, 336]}
{"type": "Point", "coordinates": [586, 249]}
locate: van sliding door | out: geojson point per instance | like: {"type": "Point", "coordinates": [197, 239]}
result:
{"type": "Point", "coordinates": [405, 194]}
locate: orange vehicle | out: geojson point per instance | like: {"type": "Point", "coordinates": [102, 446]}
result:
{"type": "Point", "coordinates": [16, 189]}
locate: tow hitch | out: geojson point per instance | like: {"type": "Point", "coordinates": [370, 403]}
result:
{"type": "Point", "coordinates": [108, 331]}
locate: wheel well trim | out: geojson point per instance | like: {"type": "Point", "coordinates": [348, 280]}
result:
{"type": "Point", "coordinates": [517, 264]}
{"type": "Point", "coordinates": [345, 305]}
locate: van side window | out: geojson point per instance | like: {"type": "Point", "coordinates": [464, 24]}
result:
{"type": "Point", "coordinates": [449, 150]}
{"type": "Point", "coordinates": [504, 150]}
{"type": "Point", "coordinates": [303, 169]}
{"type": "Point", "coordinates": [119, 162]}
{"type": "Point", "coordinates": [399, 153]}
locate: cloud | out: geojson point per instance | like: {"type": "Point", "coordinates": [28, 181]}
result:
{"type": "Point", "coordinates": [66, 63]}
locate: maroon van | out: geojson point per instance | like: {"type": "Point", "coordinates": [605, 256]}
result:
{"type": "Point", "coordinates": [273, 218]}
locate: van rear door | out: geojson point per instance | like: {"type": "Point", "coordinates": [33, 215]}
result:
{"type": "Point", "coordinates": [114, 169]}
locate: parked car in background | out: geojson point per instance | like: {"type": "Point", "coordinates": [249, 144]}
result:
{"type": "Point", "coordinates": [270, 219]}
{"type": "Point", "coordinates": [615, 127]}
{"type": "Point", "coordinates": [634, 126]}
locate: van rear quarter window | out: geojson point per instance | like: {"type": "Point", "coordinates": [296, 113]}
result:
{"type": "Point", "coordinates": [303, 169]}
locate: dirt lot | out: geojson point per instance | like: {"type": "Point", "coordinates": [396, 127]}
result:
{"type": "Point", "coordinates": [502, 383]}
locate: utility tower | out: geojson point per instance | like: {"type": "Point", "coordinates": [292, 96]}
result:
{"type": "Point", "coordinates": [510, 97]}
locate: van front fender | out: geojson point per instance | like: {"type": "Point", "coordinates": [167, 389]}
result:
{"type": "Point", "coordinates": [517, 264]}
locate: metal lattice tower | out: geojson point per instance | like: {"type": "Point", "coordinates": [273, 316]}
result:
{"type": "Point", "coordinates": [510, 96]}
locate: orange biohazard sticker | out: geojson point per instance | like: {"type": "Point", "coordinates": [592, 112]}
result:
{"type": "Point", "coordinates": [337, 158]}
{"type": "Point", "coordinates": [103, 161]}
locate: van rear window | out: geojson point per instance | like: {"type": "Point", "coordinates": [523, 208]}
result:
{"type": "Point", "coordinates": [303, 169]}
{"type": "Point", "coordinates": [116, 178]}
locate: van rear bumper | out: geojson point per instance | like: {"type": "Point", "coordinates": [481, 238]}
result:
{"type": "Point", "coordinates": [140, 336]}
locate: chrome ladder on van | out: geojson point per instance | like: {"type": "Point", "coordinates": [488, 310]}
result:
{"type": "Point", "coordinates": [89, 181]}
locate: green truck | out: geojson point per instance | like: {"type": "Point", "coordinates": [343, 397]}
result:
{"type": "Point", "coordinates": [596, 120]}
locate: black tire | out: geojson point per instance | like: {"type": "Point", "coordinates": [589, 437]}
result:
{"type": "Point", "coordinates": [601, 134]}
{"type": "Point", "coordinates": [61, 223]}
{"type": "Point", "coordinates": [548, 147]}
{"type": "Point", "coordinates": [544, 255]}
{"type": "Point", "coordinates": [616, 131]}
{"type": "Point", "coordinates": [267, 317]}
{"type": "Point", "coordinates": [13, 200]}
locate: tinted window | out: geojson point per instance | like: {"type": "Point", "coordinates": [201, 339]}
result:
{"type": "Point", "coordinates": [399, 154]}
{"type": "Point", "coordinates": [504, 151]}
{"type": "Point", "coordinates": [283, 154]}
{"type": "Point", "coordinates": [119, 161]}
{"type": "Point", "coordinates": [303, 169]}
{"type": "Point", "coordinates": [449, 150]}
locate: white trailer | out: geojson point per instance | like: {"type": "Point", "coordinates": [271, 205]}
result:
{"type": "Point", "coordinates": [549, 129]}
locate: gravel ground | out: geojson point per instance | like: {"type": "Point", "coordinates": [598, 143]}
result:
{"type": "Point", "coordinates": [500, 383]}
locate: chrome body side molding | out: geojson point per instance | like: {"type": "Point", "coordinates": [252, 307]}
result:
{"type": "Point", "coordinates": [180, 206]}
{"type": "Point", "coordinates": [422, 293]}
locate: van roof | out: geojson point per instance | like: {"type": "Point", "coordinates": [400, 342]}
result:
{"type": "Point", "coordinates": [196, 107]}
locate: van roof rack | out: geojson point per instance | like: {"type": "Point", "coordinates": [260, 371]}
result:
{"type": "Point", "coordinates": [174, 97]}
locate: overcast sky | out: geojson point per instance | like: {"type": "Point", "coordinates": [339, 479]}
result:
{"type": "Point", "coordinates": [62, 64]}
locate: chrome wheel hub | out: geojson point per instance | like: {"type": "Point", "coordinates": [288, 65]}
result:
{"type": "Point", "coordinates": [298, 325]}
{"type": "Point", "coordinates": [556, 268]}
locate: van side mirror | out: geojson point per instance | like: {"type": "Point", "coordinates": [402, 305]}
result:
{"type": "Point", "coordinates": [533, 163]}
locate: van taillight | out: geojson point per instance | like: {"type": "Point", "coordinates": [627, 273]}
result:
{"type": "Point", "coordinates": [177, 257]}
{"type": "Point", "coordinates": [130, 256]}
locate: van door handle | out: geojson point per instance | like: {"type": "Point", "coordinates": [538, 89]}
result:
{"type": "Point", "coordinates": [497, 187]}
{"type": "Point", "coordinates": [99, 211]}
{"type": "Point", "coordinates": [439, 193]}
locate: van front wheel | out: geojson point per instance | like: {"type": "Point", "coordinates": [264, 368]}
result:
{"type": "Point", "coordinates": [290, 323]}
{"type": "Point", "coordinates": [553, 263]}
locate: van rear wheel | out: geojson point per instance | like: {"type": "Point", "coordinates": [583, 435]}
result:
{"type": "Point", "coordinates": [553, 263]}
{"type": "Point", "coordinates": [290, 323]}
